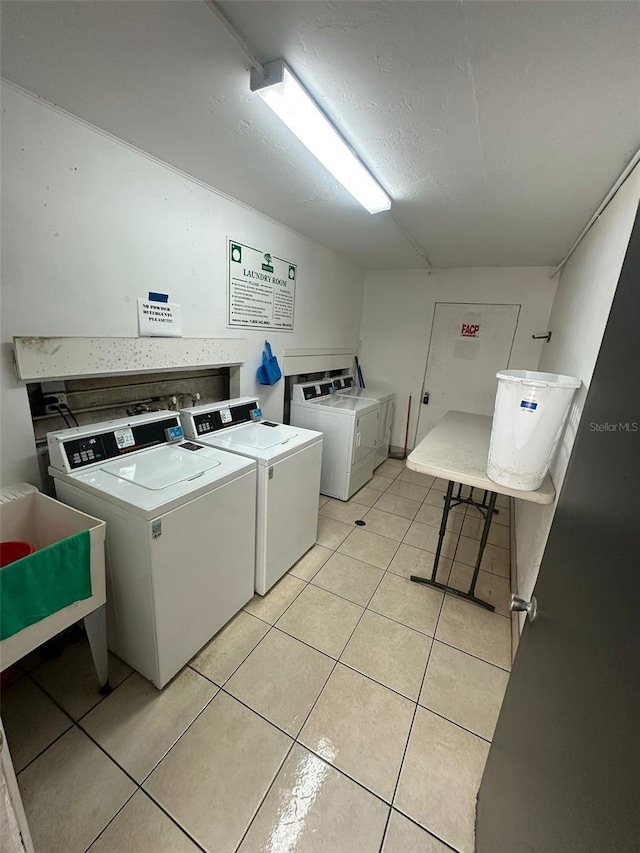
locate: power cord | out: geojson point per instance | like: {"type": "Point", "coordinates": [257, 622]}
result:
{"type": "Point", "coordinates": [58, 409]}
{"type": "Point", "coordinates": [75, 420]}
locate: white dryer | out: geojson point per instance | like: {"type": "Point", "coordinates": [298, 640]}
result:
{"type": "Point", "coordinates": [350, 429]}
{"type": "Point", "coordinates": [289, 461]}
{"type": "Point", "coordinates": [346, 385]}
{"type": "Point", "coordinates": [180, 542]}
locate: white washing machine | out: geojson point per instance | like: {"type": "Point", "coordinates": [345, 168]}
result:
{"type": "Point", "coordinates": [350, 430]}
{"type": "Point", "coordinates": [180, 543]}
{"type": "Point", "coordinates": [346, 385]}
{"type": "Point", "coordinates": [289, 461]}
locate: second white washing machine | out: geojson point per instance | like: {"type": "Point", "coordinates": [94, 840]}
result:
{"type": "Point", "coordinates": [347, 387]}
{"type": "Point", "coordinates": [350, 429]}
{"type": "Point", "coordinates": [289, 462]}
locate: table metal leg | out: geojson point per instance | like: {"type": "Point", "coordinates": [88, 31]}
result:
{"type": "Point", "coordinates": [483, 542]}
{"type": "Point", "coordinates": [450, 501]}
{"type": "Point", "coordinates": [443, 529]}
{"type": "Point", "coordinates": [482, 505]}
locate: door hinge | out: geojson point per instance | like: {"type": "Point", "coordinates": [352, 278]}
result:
{"type": "Point", "coordinates": [425, 398]}
{"type": "Point", "coordinates": [156, 529]}
{"type": "Point", "coordinates": [271, 472]}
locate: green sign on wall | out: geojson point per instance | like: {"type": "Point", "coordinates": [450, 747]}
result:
{"type": "Point", "coordinates": [261, 290]}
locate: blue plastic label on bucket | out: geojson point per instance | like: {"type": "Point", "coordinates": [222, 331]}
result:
{"type": "Point", "coordinates": [525, 404]}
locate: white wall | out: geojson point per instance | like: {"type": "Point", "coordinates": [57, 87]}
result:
{"type": "Point", "coordinates": [90, 224]}
{"type": "Point", "coordinates": [398, 311]}
{"type": "Point", "coordinates": [578, 319]}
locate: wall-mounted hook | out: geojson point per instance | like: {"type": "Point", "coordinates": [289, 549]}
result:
{"type": "Point", "coordinates": [546, 337]}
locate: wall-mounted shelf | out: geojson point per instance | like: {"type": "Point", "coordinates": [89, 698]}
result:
{"type": "Point", "coordinates": [40, 358]}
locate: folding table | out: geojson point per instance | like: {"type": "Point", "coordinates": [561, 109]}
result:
{"type": "Point", "coordinates": [456, 450]}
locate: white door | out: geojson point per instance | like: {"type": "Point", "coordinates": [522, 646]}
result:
{"type": "Point", "coordinates": [469, 344]}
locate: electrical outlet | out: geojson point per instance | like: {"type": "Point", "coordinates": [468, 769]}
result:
{"type": "Point", "coordinates": [54, 394]}
{"type": "Point", "coordinates": [52, 401]}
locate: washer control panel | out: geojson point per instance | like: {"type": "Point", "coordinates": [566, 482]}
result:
{"type": "Point", "coordinates": [218, 419]}
{"type": "Point", "coordinates": [110, 444]}
{"type": "Point", "coordinates": [313, 390]}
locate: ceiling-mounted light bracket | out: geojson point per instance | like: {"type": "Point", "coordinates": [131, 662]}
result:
{"type": "Point", "coordinates": [269, 74]}
{"type": "Point", "coordinates": [281, 90]}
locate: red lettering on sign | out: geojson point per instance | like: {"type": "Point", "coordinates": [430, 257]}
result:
{"type": "Point", "coordinates": [470, 330]}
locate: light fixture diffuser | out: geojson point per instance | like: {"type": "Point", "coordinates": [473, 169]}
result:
{"type": "Point", "coordinates": [285, 95]}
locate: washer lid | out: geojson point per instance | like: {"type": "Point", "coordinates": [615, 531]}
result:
{"type": "Point", "coordinates": [366, 394]}
{"type": "Point", "coordinates": [259, 435]}
{"type": "Point", "coordinates": [160, 468]}
{"type": "Point", "coordinates": [344, 403]}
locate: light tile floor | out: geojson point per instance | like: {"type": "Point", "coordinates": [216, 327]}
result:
{"type": "Point", "coordinates": [348, 711]}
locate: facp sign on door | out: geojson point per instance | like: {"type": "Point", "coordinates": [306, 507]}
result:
{"type": "Point", "coordinates": [470, 330]}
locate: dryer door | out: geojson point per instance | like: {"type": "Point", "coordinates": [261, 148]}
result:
{"type": "Point", "coordinates": [383, 421]}
{"type": "Point", "coordinates": [365, 435]}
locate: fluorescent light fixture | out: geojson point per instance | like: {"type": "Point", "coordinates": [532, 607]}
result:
{"type": "Point", "coordinates": [281, 91]}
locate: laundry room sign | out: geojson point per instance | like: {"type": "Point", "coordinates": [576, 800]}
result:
{"type": "Point", "coordinates": [261, 291]}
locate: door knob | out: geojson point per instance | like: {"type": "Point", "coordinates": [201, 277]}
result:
{"type": "Point", "coordinates": [521, 604]}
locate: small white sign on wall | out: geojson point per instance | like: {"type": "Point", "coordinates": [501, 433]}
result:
{"type": "Point", "coordinates": [470, 330]}
{"type": "Point", "coordinates": [159, 319]}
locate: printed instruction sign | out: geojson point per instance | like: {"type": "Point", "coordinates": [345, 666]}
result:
{"type": "Point", "coordinates": [159, 319]}
{"type": "Point", "coordinates": [262, 289]}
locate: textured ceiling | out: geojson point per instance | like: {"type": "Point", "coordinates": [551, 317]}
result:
{"type": "Point", "coordinates": [496, 127]}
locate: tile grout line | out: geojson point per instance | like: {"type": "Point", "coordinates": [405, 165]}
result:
{"type": "Point", "coordinates": [72, 721]}
{"type": "Point", "coordinates": [311, 709]}
{"type": "Point", "coordinates": [413, 717]}
{"type": "Point", "coordinates": [110, 821]}
{"type": "Point", "coordinates": [221, 688]}
{"type": "Point", "coordinates": [144, 793]}
{"type": "Point", "coordinates": [139, 786]}
{"type": "Point", "coordinates": [100, 700]}
{"type": "Point", "coordinates": [422, 686]}
{"type": "Point", "coordinates": [272, 624]}
{"type": "Point", "coordinates": [471, 655]}
{"type": "Point", "coordinates": [428, 831]}
{"type": "Point", "coordinates": [453, 723]}
{"type": "Point", "coordinates": [338, 661]}
{"type": "Point", "coordinates": [296, 740]}
{"type": "Point", "coordinates": [266, 793]}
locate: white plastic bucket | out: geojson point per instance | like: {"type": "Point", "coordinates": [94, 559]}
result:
{"type": "Point", "coordinates": [529, 415]}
